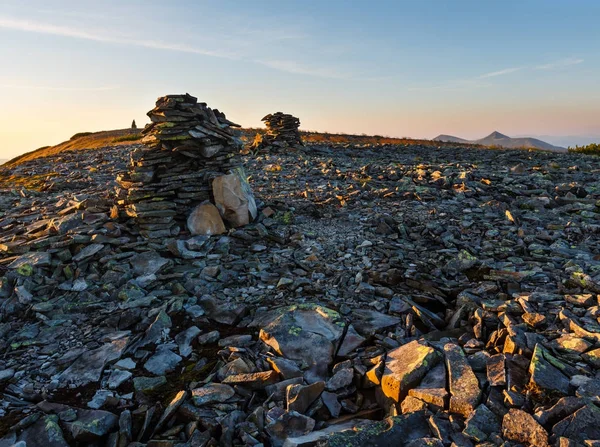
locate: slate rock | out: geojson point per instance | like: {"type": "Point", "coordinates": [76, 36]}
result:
{"type": "Point", "coordinates": [519, 426]}
{"type": "Point", "coordinates": [463, 384]}
{"type": "Point", "coordinates": [45, 432]}
{"type": "Point", "coordinates": [398, 430]}
{"type": "Point", "coordinates": [305, 333]}
{"type": "Point", "coordinates": [212, 393]}
{"type": "Point", "coordinates": [481, 424]}
{"type": "Point", "coordinates": [544, 375]}
{"type": "Point", "coordinates": [405, 367]}
{"type": "Point", "coordinates": [300, 397]}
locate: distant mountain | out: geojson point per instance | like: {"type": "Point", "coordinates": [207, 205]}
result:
{"type": "Point", "coordinates": [569, 140]}
{"type": "Point", "coordinates": [498, 139]}
{"type": "Point", "coordinates": [450, 139]}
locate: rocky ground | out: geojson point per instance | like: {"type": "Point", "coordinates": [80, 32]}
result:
{"type": "Point", "coordinates": [388, 295]}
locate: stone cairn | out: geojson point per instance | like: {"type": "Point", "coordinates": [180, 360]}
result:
{"type": "Point", "coordinates": [187, 173]}
{"type": "Point", "coordinates": [282, 131]}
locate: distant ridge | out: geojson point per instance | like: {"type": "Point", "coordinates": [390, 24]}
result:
{"type": "Point", "coordinates": [498, 139]}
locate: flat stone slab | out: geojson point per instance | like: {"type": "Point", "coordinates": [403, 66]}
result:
{"type": "Point", "coordinates": [393, 431]}
{"type": "Point", "coordinates": [212, 393]}
{"type": "Point", "coordinates": [405, 367]}
{"type": "Point", "coordinates": [306, 333]}
{"type": "Point", "coordinates": [432, 388]}
{"type": "Point", "coordinates": [89, 366]}
{"type": "Point", "coordinates": [464, 386]}
{"type": "Point", "coordinates": [544, 375]}
{"type": "Point", "coordinates": [520, 426]}
{"type": "Point", "coordinates": [34, 259]}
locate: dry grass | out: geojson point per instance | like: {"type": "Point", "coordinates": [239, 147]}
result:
{"type": "Point", "coordinates": [82, 141]}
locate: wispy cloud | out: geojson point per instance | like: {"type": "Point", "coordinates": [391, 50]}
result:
{"type": "Point", "coordinates": [57, 30]}
{"type": "Point", "coordinates": [459, 84]}
{"type": "Point", "coordinates": [57, 88]}
{"type": "Point", "coordinates": [111, 38]}
{"type": "Point", "coordinates": [494, 74]}
{"type": "Point", "coordinates": [297, 68]}
{"type": "Point", "coordinates": [560, 64]}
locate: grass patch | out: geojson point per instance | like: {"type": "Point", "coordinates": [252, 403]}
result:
{"type": "Point", "coordinates": [590, 149]}
{"type": "Point", "coordinates": [134, 137]}
{"type": "Point", "coordinates": [80, 135]}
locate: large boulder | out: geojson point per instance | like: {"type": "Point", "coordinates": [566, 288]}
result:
{"type": "Point", "coordinates": [205, 220]}
{"type": "Point", "coordinates": [307, 333]}
{"type": "Point", "coordinates": [234, 201]}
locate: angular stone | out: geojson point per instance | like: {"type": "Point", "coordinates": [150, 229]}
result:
{"type": "Point", "coordinates": [148, 384]}
{"type": "Point", "coordinates": [117, 378]}
{"type": "Point", "coordinates": [318, 436]}
{"type": "Point", "coordinates": [289, 425]}
{"type": "Point", "coordinates": [171, 409]}
{"type": "Point", "coordinates": [330, 400]}
{"type": "Point", "coordinates": [544, 375]}
{"type": "Point", "coordinates": [92, 425]}
{"type": "Point", "coordinates": [340, 379]}
{"type": "Point", "coordinates": [481, 424]}
{"type": "Point", "coordinates": [184, 340]}
{"type": "Point", "coordinates": [367, 322]}
{"type": "Point", "coordinates": [89, 366]}
{"type": "Point", "coordinates": [212, 393]}
{"type": "Point", "coordinates": [464, 386]}
{"type": "Point", "coordinates": [593, 357]}
{"type": "Point", "coordinates": [432, 388]}
{"type": "Point", "coordinates": [300, 397]}
{"type": "Point", "coordinates": [277, 392]}
{"type": "Point", "coordinates": [287, 368]}
{"type": "Point", "coordinates": [405, 367]}
{"type": "Point", "coordinates": [33, 259]}
{"type": "Point", "coordinates": [162, 362]}
{"type": "Point", "coordinates": [222, 311]}
{"type": "Point", "coordinates": [393, 431]}
{"type": "Point", "coordinates": [564, 407]}
{"type": "Point", "coordinates": [88, 252]}
{"type": "Point", "coordinates": [496, 370]}
{"type": "Point", "coordinates": [352, 340]}
{"type": "Point", "coordinates": [253, 381]}
{"type": "Point", "coordinates": [148, 263]}
{"type": "Point", "coordinates": [581, 425]}
{"type": "Point", "coordinates": [45, 432]}
{"type": "Point", "coordinates": [412, 404]}
{"type": "Point", "coordinates": [520, 426]}
{"type": "Point", "coordinates": [306, 333]}
{"type": "Point", "coordinates": [205, 220]}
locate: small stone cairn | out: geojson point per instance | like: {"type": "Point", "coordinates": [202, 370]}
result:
{"type": "Point", "coordinates": [282, 132]}
{"type": "Point", "coordinates": [188, 172]}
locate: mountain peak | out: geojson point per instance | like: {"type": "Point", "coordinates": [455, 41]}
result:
{"type": "Point", "coordinates": [497, 135]}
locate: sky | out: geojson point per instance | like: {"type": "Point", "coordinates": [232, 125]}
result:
{"type": "Point", "coordinates": [398, 68]}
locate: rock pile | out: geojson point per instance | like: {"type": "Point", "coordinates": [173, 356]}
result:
{"type": "Point", "coordinates": [187, 172]}
{"type": "Point", "coordinates": [282, 131]}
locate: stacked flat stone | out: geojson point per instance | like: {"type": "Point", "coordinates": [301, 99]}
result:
{"type": "Point", "coordinates": [187, 146]}
{"type": "Point", "coordinates": [282, 131]}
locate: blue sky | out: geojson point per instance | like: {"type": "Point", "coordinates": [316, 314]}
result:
{"type": "Point", "coordinates": [398, 68]}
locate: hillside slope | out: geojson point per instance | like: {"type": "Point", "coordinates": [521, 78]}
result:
{"type": "Point", "coordinates": [81, 141]}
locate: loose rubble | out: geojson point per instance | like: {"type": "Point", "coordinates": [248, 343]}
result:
{"type": "Point", "coordinates": [388, 295]}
